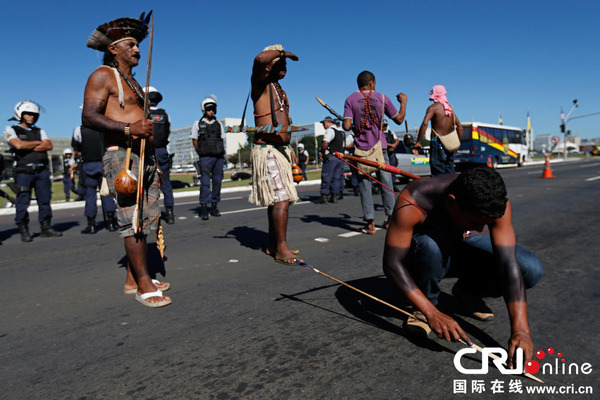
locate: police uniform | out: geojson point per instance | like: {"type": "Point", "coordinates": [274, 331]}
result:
{"type": "Point", "coordinates": [31, 170]}
{"type": "Point", "coordinates": [91, 146]}
{"type": "Point", "coordinates": [333, 167]}
{"type": "Point", "coordinates": [68, 183]}
{"type": "Point", "coordinates": [162, 130]}
{"type": "Point", "coordinates": [390, 138]}
{"type": "Point", "coordinates": [211, 150]}
{"type": "Point", "coordinates": [302, 158]}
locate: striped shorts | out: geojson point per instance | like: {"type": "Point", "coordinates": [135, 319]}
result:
{"type": "Point", "coordinates": [113, 163]}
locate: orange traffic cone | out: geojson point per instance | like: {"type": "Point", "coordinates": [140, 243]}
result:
{"type": "Point", "coordinates": [547, 173]}
{"type": "Point", "coordinates": [489, 162]}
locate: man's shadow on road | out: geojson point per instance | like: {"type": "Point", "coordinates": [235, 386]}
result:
{"type": "Point", "coordinates": [344, 221]}
{"type": "Point", "coordinates": [249, 237]}
{"type": "Point", "coordinates": [378, 315]}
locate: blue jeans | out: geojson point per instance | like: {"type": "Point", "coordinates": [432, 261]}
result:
{"type": "Point", "coordinates": [303, 168]}
{"type": "Point", "coordinates": [211, 169]}
{"type": "Point", "coordinates": [164, 163]}
{"type": "Point", "coordinates": [441, 161]}
{"type": "Point", "coordinates": [43, 192]}
{"type": "Point", "coordinates": [91, 176]}
{"type": "Point", "coordinates": [433, 256]}
{"type": "Point", "coordinates": [332, 170]}
{"type": "Point", "coordinates": [366, 195]}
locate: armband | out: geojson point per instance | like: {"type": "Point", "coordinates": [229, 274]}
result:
{"type": "Point", "coordinates": [282, 53]}
{"type": "Point", "coordinates": [127, 131]}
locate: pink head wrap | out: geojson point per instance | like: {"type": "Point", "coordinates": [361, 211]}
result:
{"type": "Point", "coordinates": [438, 95]}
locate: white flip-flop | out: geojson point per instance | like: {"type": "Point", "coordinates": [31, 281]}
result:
{"type": "Point", "coordinates": [156, 282]}
{"type": "Point", "coordinates": [142, 299]}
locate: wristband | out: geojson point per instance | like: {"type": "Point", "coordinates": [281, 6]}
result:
{"type": "Point", "coordinates": [282, 53]}
{"type": "Point", "coordinates": [127, 131]}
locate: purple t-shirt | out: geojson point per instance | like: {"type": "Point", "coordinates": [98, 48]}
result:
{"type": "Point", "coordinates": [354, 109]}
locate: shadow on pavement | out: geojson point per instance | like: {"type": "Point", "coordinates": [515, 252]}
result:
{"type": "Point", "coordinates": [343, 221]}
{"type": "Point", "coordinates": [251, 238]}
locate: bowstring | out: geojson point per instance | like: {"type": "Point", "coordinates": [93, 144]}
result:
{"type": "Point", "coordinates": [391, 190]}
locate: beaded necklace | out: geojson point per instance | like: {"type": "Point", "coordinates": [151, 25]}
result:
{"type": "Point", "coordinates": [136, 91]}
{"type": "Point", "coordinates": [281, 96]}
{"type": "Point", "coordinates": [369, 118]}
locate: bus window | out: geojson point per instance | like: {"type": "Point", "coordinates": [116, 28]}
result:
{"type": "Point", "coordinates": [467, 134]}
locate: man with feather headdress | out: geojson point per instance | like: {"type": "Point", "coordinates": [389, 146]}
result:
{"type": "Point", "coordinates": [114, 105]}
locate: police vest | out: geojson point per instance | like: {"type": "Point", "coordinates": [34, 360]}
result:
{"type": "Point", "coordinates": [24, 157]}
{"type": "Point", "coordinates": [209, 139]}
{"type": "Point", "coordinates": [162, 127]}
{"type": "Point", "coordinates": [92, 145]}
{"type": "Point", "coordinates": [66, 165]}
{"type": "Point", "coordinates": [337, 144]}
{"type": "Point", "coordinates": [301, 157]}
{"type": "Point", "coordinates": [389, 137]}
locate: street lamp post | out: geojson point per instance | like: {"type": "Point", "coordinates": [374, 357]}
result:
{"type": "Point", "coordinates": [563, 127]}
{"type": "Point", "coordinates": [565, 120]}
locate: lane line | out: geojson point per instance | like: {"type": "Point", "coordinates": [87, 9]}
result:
{"type": "Point", "coordinates": [592, 179]}
{"type": "Point", "coordinates": [257, 208]}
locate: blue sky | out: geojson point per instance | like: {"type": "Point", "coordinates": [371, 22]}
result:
{"type": "Point", "coordinates": [503, 57]}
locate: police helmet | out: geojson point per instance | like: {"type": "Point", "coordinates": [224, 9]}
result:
{"type": "Point", "coordinates": [210, 99]}
{"type": "Point", "coordinates": [67, 151]}
{"type": "Point", "coordinates": [409, 140]}
{"type": "Point", "coordinates": [25, 106]}
{"type": "Point", "coordinates": [154, 95]}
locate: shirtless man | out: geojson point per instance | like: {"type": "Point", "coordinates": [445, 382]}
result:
{"type": "Point", "coordinates": [273, 185]}
{"type": "Point", "coordinates": [427, 240]}
{"type": "Point", "coordinates": [113, 104]}
{"type": "Point", "coordinates": [443, 119]}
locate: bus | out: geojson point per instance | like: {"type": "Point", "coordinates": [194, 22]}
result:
{"type": "Point", "coordinates": [498, 144]}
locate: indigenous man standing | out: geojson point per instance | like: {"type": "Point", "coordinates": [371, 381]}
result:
{"type": "Point", "coordinates": [272, 182]}
{"type": "Point", "coordinates": [364, 111]}
{"type": "Point", "coordinates": [113, 104]}
{"type": "Point", "coordinates": [445, 128]}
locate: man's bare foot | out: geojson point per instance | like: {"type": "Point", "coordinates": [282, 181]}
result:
{"type": "Point", "coordinates": [153, 299]}
{"type": "Point", "coordinates": [271, 252]}
{"type": "Point", "coordinates": [132, 288]}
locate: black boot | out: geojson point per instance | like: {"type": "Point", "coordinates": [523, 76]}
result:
{"type": "Point", "coordinates": [340, 196]}
{"type": "Point", "coordinates": [109, 222]}
{"type": "Point", "coordinates": [203, 212]}
{"type": "Point", "coordinates": [91, 226]}
{"type": "Point", "coordinates": [47, 230]}
{"type": "Point", "coordinates": [214, 211]}
{"type": "Point", "coordinates": [323, 199]}
{"type": "Point", "coordinates": [24, 231]}
{"type": "Point", "coordinates": [333, 198]}
{"type": "Point", "coordinates": [355, 190]}
{"type": "Point", "coordinates": [169, 216]}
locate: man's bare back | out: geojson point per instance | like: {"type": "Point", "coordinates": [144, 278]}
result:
{"type": "Point", "coordinates": [441, 123]}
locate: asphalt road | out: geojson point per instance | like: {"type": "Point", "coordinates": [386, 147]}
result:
{"type": "Point", "coordinates": [243, 327]}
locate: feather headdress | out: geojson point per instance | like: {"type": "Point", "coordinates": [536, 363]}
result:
{"type": "Point", "coordinates": [118, 30]}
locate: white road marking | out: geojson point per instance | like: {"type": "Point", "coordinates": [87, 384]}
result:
{"type": "Point", "coordinates": [592, 179]}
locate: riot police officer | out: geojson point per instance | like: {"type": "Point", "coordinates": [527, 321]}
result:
{"type": "Point", "coordinates": [30, 146]}
{"type": "Point", "coordinates": [162, 130]}
{"type": "Point", "coordinates": [69, 166]}
{"type": "Point", "coordinates": [89, 143]}
{"type": "Point", "coordinates": [208, 139]}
